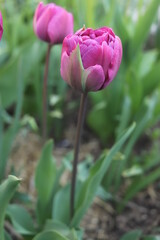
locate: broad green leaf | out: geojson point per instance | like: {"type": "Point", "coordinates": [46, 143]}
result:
{"type": "Point", "coordinates": [44, 180]}
{"type": "Point", "coordinates": [90, 186]}
{"type": "Point", "coordinates": [54, 225]}
{"type": "Point", "coordinates": [50, 235]}
{"type": "Point", "coordinates": [21, 220]}
{"type": "Point", "coordinates": [133, 235]}
{"type": "Point", "coordinates": [143, 26]}
{"type": "Point", "coordinates": [61, 207]}
{"type": "Point", "coordinates": [7, 190]}
{"type": "Point", "coordinates": [151, 238]}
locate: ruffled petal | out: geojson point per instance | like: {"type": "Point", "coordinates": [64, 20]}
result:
{"type": "Point", "coordinates": [92, 55]}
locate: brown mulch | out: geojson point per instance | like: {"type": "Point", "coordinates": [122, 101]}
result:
{"type": "Point", "coordinates": [101, 221]}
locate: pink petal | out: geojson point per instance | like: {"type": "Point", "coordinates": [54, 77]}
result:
{"type": "Point", "coordinates": [41, 26]}
{"type": "Point", "coordinates": [107, 56]}
{"type": "Point", "coordinates": [60, 26]}
{"type": "Point", "coordinates": [65, 68]}
{"type": "Point", "coordinates": [69, 44]}
{"type": "Point", "coordinates": [1, 26]}
{"type": "Point", "coordinates": [92, 55]}
{"type": "Point", "coordinates": [116, 60]}
{"type": "Point", "coordinates": [94, 78]}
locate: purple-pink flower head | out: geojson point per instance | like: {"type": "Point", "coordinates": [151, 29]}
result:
{"type": "Point", "coordinates": [90, 58]}
{"type": "Point", "coordinates": [1, 26]}
{"type": "Point", "coordinates": [52, 23]}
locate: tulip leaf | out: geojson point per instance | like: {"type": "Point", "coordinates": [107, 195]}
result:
{"type": "Point", "coordinates": [60, 210]}
{"type": "Point", "coordinates": [50, 235]}
{"type": "Point", "coordinates": [133, 235]}
{"type": "Point", "coordinates": [143, 26]}
{"type": "Point", "coordinates": [7, 136]}
{"type": "Point", "coordinates": [64, 230]}
{"type": "Point", "coordinates": [151, 79]}
{"type": "Point", "coordinates": [7, 236]}
{"type": "Point", "coordinates": [91, 184]}
{"type": "Point", "coordinates": [152, 238]}
{"type": "Point", "coordinates": [21, 220]}
{"type": "Point", "coordinates": [138, 184]}
{"type": "Point", "coordinates": [29, 52]}
{"type": "Point", "coordinates": [45, 177]}
{"type": "Point", "coordinates": [7, 190]}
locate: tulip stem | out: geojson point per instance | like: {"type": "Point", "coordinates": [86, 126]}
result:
{"type": "Point", "coordinates": [76, 151]}
{"type": "Point", "coordinates": [45, 107]}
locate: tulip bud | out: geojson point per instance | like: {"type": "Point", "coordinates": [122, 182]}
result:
{"type": "Point", "coordinates": [90, 58]}
{"type": "Point", "coordinates": [1, 26]}
{"type": "Point", "coordinates": [52, 23]}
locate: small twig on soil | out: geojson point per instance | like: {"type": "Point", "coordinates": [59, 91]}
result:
{"type": "Point", "coordinates": [12, 232]}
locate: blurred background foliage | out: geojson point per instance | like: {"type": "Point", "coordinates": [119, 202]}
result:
{"type": "Point", "coordinates": [133, 96]}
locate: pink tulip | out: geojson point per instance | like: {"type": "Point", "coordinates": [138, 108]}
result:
{"type": "Point", "coordinates": [1, 26]}
{"type": "Point", "coordinates": [90, 58]}
{"type": "Point", "coordinates": [52, 23]}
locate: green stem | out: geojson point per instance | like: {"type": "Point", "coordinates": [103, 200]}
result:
{"type": "Point", "coordinates": [45, 81]}
{"type": "Point", "coordinates": [76, 151]}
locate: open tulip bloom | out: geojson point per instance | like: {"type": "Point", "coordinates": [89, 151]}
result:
{"type": "Point", "coordinates": [89, 62]}
{"type": "Point", "coordinates": [1, 26]}
{"type": "Point", "coordinates": [90, 58]}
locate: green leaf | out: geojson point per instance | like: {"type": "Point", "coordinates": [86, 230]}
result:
{"type": "Point", "coordinates": [7, 236]}
{"type": "Point", "coordinates": [21, 220]}
{"type": "Point", "coordinates": [151, 79]}
{"type": "Point", "coordinates": [54, 225]}
{"type": "Point", "coordinates": [138, 184]}
{"type": "Point", "coordinates": [61, 206]}
{"type": "Point", "coordinates": [90, 186]}
{"type": "Point", "coordinates": [125, 115]}
{"type": "Point", "coordinates": [152, 238]}
{"type": "Point", "coordinates": [7, 190]}
{"type": "Point", "coordinates": [143, 26]}
{"type": "Point", "coordinates": [44, 180]}
{"type": "Point", "coordinates": [50, 235]}
{"type": "Point", "coordinates": [7, 137]}
{"type": "Point", "coordinates": [133, 235]}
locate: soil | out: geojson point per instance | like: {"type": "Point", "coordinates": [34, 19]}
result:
{"type": "Point", "coordinates": [101, 221]}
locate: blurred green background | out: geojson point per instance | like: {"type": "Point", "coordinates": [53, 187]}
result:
{"type": "Point", "coordinates": [133, 96]}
